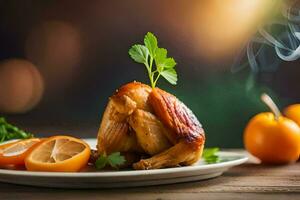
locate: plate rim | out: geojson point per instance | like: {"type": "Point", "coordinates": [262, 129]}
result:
{"type": "Point", "coordinates": [215, 166]}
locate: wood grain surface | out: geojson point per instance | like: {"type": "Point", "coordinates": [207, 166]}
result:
{"type": "Point", "coordinates": [248, 181]}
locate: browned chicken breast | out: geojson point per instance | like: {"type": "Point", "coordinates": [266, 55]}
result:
{"type": "Point", "coordinates": [114, 133]}
{"type": "Point", "coordinates": [150, 132]}
{"type": "Point", "coordinates": [141, 120]}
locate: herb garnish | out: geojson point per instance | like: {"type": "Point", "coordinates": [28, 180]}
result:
{"type": "Point", "coordinates": [9, 131]}
{"type": "Point", "coordinates": [150, 53]}
{"type": "Point", "coordinates": [114, 160]}
{"type": "Point", "coordinates": [210, 155]}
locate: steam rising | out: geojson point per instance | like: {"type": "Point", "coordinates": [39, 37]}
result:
{"type": "Point", "coordinates": [282, 34]}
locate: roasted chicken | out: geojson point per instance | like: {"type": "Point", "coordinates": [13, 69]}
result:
{"type": "Point", "coordinates": [152, 126]}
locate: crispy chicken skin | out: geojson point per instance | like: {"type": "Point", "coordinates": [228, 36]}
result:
{"type": "Point", "coordinates": [114, 134]}
{"type": "Point", "coordinates": [136, 92]}
{"type": "Point", "coordinates": [150, 132]}
{"type": "Point", "coordinates": [175, 115]}
{"type": "Point", "coordinates": [142, 120]}
{"type": "Point", "coordinates": [187, 135]}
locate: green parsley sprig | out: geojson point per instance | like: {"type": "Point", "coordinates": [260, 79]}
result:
{"type": "Point", "coordinates": [114, 160]}
{"type": "Point", "coordinates": [9, 131]}
{"type": "Point", "coordinates": [210, 155]}
{"type": "Point", "coordinates": [150, 54]}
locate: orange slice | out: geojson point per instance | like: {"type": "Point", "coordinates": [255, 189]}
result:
{"type": "Point", "coordinates": [14, 153]}
{"type": "Point", "coordinates": [59, 154]}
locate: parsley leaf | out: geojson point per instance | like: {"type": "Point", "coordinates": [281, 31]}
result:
{"type": "Point", "coordinates": [151, 43]}
{"type": "Point", "coordinates": [139, 53]}
{"type": "Point", "coordinates": [170, 75]}
{"type": "Point", "coordinates": [101, 162]}
{"type": "Point", "coordinates": [161, 55]}
{"type": "Point", "coordinates": [9, 131]}
{"type": "Point", "coordinates": [114, 160]}
{"type": "Point", "coordinates": [150, 53]}
{"type": "Point", "coordinates": [162, 61]}
{"type": "Point", "coordinates": [210, 155]}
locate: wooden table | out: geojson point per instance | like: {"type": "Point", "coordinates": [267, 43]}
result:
{"type": "Point", "coordinates": [248, 181]}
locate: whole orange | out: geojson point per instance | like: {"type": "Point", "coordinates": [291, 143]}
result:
{"type": "Point", "coordinates": [293, 112]}
{"type": "Point", "coordinates": [275, 141]}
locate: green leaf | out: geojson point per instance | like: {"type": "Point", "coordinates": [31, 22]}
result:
{"type": "Point", "coordinates": [210, 155]}
{"type": "Point", "coordinates": [212, 159]}
{"type": "Point", "coordinates": [162, 61]}
{"type": "Point", "coordinates": [139, 53]}
{"type": "Point", "coordinates": [151, 43]}
{"type": "Point", "coordinates": [210, 151]}
{"type": "Point", "coordinates": [2, 120]}
{"type": "Point", "coordinates": [170, 75]}
{"type": "Point", "coordinates": [116, 159]}
{"type": "Point", "coordinates": [168, 63]}
{"type": "Point", "coordinates": [161, 55]}
{"type": "Point", "coordinates": [101, 162]}
{"type": "Point", "coordinates": [150, 52]}
{"type": "Point", "coordinates": [9, 131]}
{"type": "Point", "coordinates": [3, 133]}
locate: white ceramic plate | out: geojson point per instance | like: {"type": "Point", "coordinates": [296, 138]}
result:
{"type": "Point", "coordinates": [128, 178]}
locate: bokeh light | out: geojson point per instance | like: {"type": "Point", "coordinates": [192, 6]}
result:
{"type": "Point", "coordinates": [221, 27]}
{"type": "Point", "coordinates": [81, 50]}
{"type": "Point", "coordinates": [55, 47]}
{"type": "Point", "coordinates": [21, 86]}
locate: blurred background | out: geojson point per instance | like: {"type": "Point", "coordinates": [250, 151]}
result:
{"type": "Point", "coordinates": [61, 60]}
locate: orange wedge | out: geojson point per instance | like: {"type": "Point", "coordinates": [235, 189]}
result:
{"type": "Point", "coordinates": [59, 154]}
{"type": "Point", "coordinates": [14, 153]}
